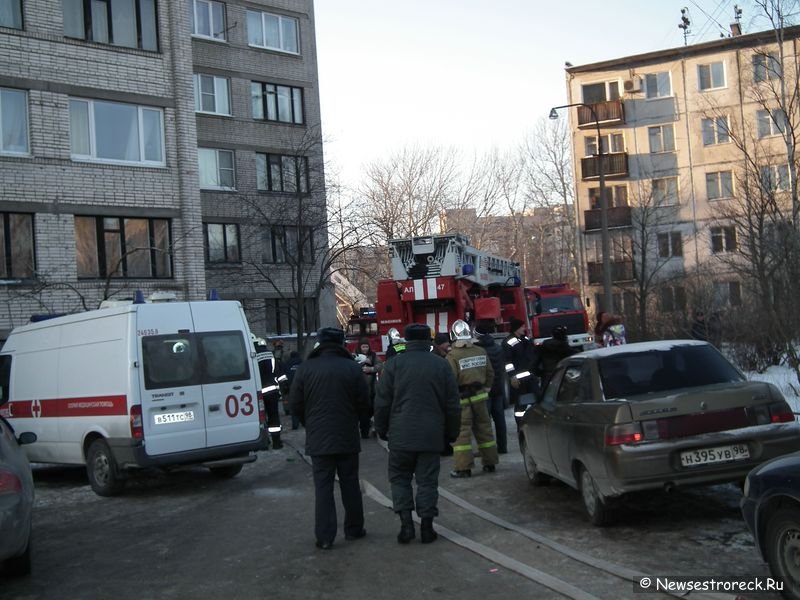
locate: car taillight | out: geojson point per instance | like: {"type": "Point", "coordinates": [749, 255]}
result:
{"type": "Point", "coordinates": [628, 433]}
{"type": "Point", "coordinates": [137, 425]}
{"type": "Point", "coordinates": [779, 412]}
{"type": "Point", "coordinates": [262, 412]}
{"type": "Point", "coordinates": [9, 483]}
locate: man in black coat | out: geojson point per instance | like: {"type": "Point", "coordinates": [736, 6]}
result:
{"type": "Point", "coordinates": [551, 352]}
{"type": "Point", "coordinates": [497, 401]}
{"type": "Point", "coordinates": [417, 410]}
{"type": "Point", "coordinates": [329, 395]}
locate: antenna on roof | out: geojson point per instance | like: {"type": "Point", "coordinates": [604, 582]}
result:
{"type": "Point", "coordinates": [736, 28]}
{"type": "Point", "coordinates": [684, 24]}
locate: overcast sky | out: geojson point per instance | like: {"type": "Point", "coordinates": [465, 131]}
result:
{"type": "Point", "coordinates": [475, 74]}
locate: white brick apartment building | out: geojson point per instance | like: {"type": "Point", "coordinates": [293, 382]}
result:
{"type": "Point", "coordinates": [669, 121]}
{"type": "Point", "coordinates": [135, 138]}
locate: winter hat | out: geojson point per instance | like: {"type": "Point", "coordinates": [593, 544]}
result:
{"type": "Point", "coordinates": [516, 323]}
{"type": "Point", "coordinates": [416, 331]}
{"type": "Point", "coordinates": [441, 338]}
{"type": "Point", "coordinates": [485, 326]}
{"type": "Point", "coordinates": [331, 335]}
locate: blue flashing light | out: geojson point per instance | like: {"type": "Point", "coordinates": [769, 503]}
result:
{"type": "Point", "coordinates": [212, 294]}
{"type": "Point", "coordinates": [468, 269]}
{"type": "Point", "coordinates": [516, 280]}
{"type": "Point", "coordinates": [138, 297]}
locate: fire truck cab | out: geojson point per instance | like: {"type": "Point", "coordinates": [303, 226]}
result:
{"type": "Point", "coordinates": [557, 304]}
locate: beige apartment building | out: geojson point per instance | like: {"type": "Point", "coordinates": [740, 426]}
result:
{"type": "Point", "coordinates": [158, 145]}
{"type": "Point", "coordinates": [677, 129]}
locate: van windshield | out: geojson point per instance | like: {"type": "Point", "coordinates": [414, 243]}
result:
{"type": "Point", "coordinates": [194, 359]}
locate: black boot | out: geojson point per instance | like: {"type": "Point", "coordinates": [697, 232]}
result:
{"type": "Point", "coordinates": [406, 527]}
{"type": "Point", "coordinates": [276, 441]}
{"type": "Point", "coordinates": [427, 534]}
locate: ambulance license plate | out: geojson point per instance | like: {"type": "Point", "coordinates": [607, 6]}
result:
{"type": "Point", "coordinates": [177, 417]}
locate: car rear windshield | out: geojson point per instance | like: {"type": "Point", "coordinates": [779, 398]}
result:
{"type": "Point", "coordinates": [624, 375]}
{"type": "Point", "coordinates": [194, 359]}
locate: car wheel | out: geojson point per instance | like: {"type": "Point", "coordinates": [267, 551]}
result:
{"type": "Point", "coordinates": [599, 513]}
{"type": "Point", "coordinates": [19, 566]}
{"type": "Point", "coordinates": [226, 472]}
{"type": "Point", "coordinates": [535, 476]}
{"type": "Point", "coordinates": [102, 470]}
{"type": "Point", "coordinates": [783, 549]}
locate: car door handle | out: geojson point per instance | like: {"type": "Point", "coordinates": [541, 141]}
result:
{"type": "Point", "coordinates": [237, 387]}
{"type": "Point", "coordinates": [213, 408]}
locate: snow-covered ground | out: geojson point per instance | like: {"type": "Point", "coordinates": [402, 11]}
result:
{"type": "Point", "coordinates": [785, 379]}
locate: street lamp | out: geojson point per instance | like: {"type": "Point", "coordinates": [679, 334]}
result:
{"type": "Point", "coordinates": [608, 297]}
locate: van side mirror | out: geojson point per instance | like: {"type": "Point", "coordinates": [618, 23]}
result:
{"type": "Point", "coordinates": [26, 437]}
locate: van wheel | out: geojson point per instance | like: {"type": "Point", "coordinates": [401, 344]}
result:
{"type": "Point", "coordinates": [599, 512]}
{"type": "Point", "coordinates": [226, 472]}
{"type": "Point", "coordinates": [102, 470]}
{"type": "Point", "coordinates": [19, 566]}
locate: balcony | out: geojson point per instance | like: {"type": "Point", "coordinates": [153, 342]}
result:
{"type": "Point", "coordinates": [618, 216]}
{"type": "Point", "coordinates": [621, 270]}
{"type": "Point", "coordinates": [616, 165]}
{"type": "Point", "coordinates": [611, 112]}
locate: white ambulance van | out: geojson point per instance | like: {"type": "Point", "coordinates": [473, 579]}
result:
{"type": "Point", "coordinates": [143, 385]}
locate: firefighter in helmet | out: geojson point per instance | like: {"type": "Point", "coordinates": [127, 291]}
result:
{"type": "Point", "coordinates": [474, 374]}
{"type": "Point", "coordinates": [396, 343]}
{"type": "Point", "coordinates": [271, 378]}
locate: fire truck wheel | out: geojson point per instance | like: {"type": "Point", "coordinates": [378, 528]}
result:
{"type": "Point", "coordinates": [102, 470]}
{"type": "Point", "coordinates": [226, 472]}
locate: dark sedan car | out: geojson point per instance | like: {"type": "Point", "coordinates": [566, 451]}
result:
{"type": "Point", "coordinates": [16, 502]}
{"type": "Point", "coordinates": [651, 416]}
{"type": "Point", "coordinates": [771, 509]}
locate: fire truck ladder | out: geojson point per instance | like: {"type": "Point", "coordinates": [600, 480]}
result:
{"type": "Point", "coordinates": [448, 256]}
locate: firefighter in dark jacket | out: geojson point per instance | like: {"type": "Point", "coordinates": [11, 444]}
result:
{"type": "Point", "coordinates": [518, 351]}
{"type": "Point", "coordinates": [550, 353]}
{"type": "Point", "coordinates": [329, 395]}
{"type": "Point", "coordinates": [269, 370]}
{"type": "Point", "coordinates": [475, 376]}
{"type": "Point", "coordinates": [417, 410]}
{"type": "Point", "coordinates": [396, 343]}
{"type": "Point", "coordinates": [497, 401]}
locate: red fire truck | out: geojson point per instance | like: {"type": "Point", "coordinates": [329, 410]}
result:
{"type": "Point", "coordinates": [557, 304]}
{"type": "Point", "coordinates": [363, 325]}
{"type": "Point", "coordinates": [438, 279]}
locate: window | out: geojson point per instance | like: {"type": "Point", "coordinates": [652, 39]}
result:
{"type": "Point", "coordinates": [13, 121]}
{"type": "Point", "coordinates": [770, 122]}
{"type": "Point", "coordinates": [617, 195]}
{"type": "Point", "coordinates": [129, 23]}
{"type": "Point", "coordinates": [594, 93]}
{"type": "Point", "coordinates": [766, 66]}
{"type": "Point", "coordinates": [217, 170]}
{"type": "Point", "coordinates": [222, 243]}
{"type": "Point", "coordinates": [284, 243]}
{"type": "Point", "coordinates": [211, 94]}
{"type": "Point", "coordinates": [670, 244]}
{"type": "Point", "coordinates": [274, 32]}
{"type": "Point", "coordinates": [673, 299]}
{"type": "Point", "coordinates": [115, 132]}
{"type": "Point", "coordinates": [662, 138]}
{"type": "Point", "coordinates": [723, 239]}
{"type": "Point", "coordinates": [208, 19]}
{"type": "Point", "coordinates": [711, 76]}
{"type": "Point", "coordinates": [277, 173]}
{"type": "Point", "coordinates": [616, 140]}
{"type": "Point", "coordinates": [280, 315]}
{"type": "Point", "coordinates": [775, 178]}
{"type": "Point", "coordinates": [665, 191]}
{"type": "Point", "coordinates": [16, 246]}
{"type": "Point", "coordinates": [719, 185]}
{"type": "Point", "coordinates": [123, 247]}
{"type": "Point", "coordinates": [727, 293]}
{"type": "Point", "coordinates": [715, 131]}
{"type": "Point", "coordinates": [11, 14]}
{"type": "Point", "coordinates": [657, 85]}
{"type": "Point", "coordinates": [277, 102]}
